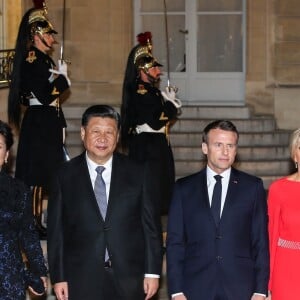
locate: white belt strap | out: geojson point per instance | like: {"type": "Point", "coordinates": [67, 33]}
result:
{"type": "Point", "coordinates": [146, 128]}
{"type": "Point", "coordinates": [34, 101]}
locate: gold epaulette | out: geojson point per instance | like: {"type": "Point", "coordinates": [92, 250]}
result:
{"type": "Point", "coordinates": [31, 57]}
{"type": "Point", "coordinates": [141, 90]}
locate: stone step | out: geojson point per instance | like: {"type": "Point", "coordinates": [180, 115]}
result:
{"type": "Point", "coordinates": [219, 112]}
{"type": "Point", "coordinates": [277, 138]}
{"type": "Point", "coordinates": [72, 111]}
{"type": "Point", "coordinates": [243, 125]}
{"type": "Point", "coordinates": [257, 167]}
{"type": "Point", "coordinates": [255, 161]}
{"type": "Point", "coordinates": [267, 179]}
{"type": "Point", "coordinates": [263, 150]}
{"type": "Point", "coordinates": [193, 125]}
{"type": "Point", "coordinates": [246, 139]}
{"type": "Point", "coordinates": [191, 112]}
{"type": "Point", "coordinates": [74, 150]}
{"type": "Point", "coordinates": [188, 146]}
{"type": "Point", "coordinates": [244, 153]}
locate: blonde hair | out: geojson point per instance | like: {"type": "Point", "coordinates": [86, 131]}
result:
{"type": "Point", "coordinates": [294, 142]}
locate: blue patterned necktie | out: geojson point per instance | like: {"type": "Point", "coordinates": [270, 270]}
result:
{"type": "Point", "coordinates": [100, 191]}
{"type": "Point", "coordinates": [216, 199]}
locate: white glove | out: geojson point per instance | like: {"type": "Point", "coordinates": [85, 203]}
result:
{"type": "Point", "coordinates": [62, 69]}
{"type": "Point", "coordinates": [170, 95]}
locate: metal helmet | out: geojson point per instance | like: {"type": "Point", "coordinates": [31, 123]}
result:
{"type": "Point", "coordinates": [143, 58]}
{"type": "Point", "coordinates": [39, 23]}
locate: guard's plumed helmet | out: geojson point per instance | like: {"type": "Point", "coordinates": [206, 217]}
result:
{"type": "Point", "coordinates": [38, 21]}
{"type": "Point", "coordinates": [143, 58]}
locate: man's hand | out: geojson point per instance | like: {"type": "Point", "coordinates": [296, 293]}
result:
{"type": "Point", "coordinates": [170, 95]}
{"type": "Point", "coordinates": [258, 297]}
{"type": "Point", "coordinates": [179, 297]}
{"type": "Point", "coordinates": [61, 290]}
{"type": "Point", "coordinates": [150, 286]}
{"type": "Point", "coordinates": [269, 296]}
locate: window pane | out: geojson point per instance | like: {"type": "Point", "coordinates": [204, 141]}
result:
{"type": "Point", "coordinates": [158, 6]}
{"type": "Point", "coordinates": [219, 5]}
{"type": "Point", "coordinates": [220, 43]}
{"type": "Point", "coordinates": [156, 24]}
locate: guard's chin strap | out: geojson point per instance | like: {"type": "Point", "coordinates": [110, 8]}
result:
{"type": "Point", "coordinates": [43, 41]}
{"type": "Point", "coordinates": [152, 79]}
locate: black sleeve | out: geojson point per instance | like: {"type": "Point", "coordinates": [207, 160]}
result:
{"type": "Point", "coordinates": [36, 79]}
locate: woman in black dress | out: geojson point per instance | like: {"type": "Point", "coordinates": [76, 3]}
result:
{"type": "Point", "coordinates": [37, 87]}
{"type": "Point", "coordinates": [18, 234]}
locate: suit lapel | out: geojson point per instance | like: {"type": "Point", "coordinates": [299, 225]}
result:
{"type": "Point", "coordinates": [203, 188]}
{"type": "Point", "coordinates": [232, 191]}
{"type": "Point", "coordinates": [203, 193]}
{"type": "Point", "coordinates": [115, 183]}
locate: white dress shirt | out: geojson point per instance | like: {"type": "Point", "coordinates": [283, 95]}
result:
{"type": "Point", "coordinates": [211, 181]}
{"type": "Point", "coordinates": [106, 174]}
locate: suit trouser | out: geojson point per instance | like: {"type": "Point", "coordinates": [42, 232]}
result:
{"type": "Point", "coordinates": [220, 293]}
{"type": "Point", "coordinates": [110, 290]}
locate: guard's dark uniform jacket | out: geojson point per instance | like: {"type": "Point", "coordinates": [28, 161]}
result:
{"type": "Point", "coordinates": [147, 106]}
{"type": "Point", "coordinates": [40, 147]}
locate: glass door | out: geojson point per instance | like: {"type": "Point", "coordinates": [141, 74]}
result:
{"type": "Point", "coordinates": [206, 46]}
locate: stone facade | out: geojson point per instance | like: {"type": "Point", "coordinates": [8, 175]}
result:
{"type": "Point", "coordinates": [287, 63]}
{"type": "Point", "coordinates": [98, 37]}
{"type": "Point", "coordinates": [273, 76]}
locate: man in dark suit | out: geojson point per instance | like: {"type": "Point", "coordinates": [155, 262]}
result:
{"type": "Point", "coordinates": [217, 246]}
{"type": "Point", "coordinates": [110, 255]}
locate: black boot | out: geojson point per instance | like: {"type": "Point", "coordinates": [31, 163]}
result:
{"type": "Point", "coordinates": [38, 195]}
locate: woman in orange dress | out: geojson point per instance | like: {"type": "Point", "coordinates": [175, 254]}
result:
{"type": "Point", "coordinates": [284, 230]}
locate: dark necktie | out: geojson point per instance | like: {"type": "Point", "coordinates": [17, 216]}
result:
{"type": "Point", "coordinates": [216, 199]}
{"type": "Point", "coordinates": [100, 193]}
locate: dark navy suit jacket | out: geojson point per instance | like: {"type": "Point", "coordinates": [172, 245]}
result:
{"type": "Point", "coordinates": [78, 236]}
{"type": "Point", "coordinates": [202, 256]}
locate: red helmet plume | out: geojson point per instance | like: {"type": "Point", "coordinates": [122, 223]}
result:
{"type": "Point", "coordinates": [144, 38]}
{"type": "Point", "coordinates": [38, 4]}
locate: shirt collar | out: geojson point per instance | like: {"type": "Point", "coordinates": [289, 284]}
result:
{"type": "Point", "coordinates": [210, 175]}
{"type": "Point", "coordinates": [92, 165]}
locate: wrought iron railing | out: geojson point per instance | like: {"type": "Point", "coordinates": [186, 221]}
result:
{"type": "Point", "coordinates": [6, 60]}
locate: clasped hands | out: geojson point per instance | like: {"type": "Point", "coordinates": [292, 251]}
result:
{"type": "Point", "coordinates": [169, 94]}
{"type": "Point", "coordinates": [62, 70]}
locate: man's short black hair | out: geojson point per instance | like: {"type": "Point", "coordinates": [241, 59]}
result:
{"type": "Point", "coordinates": [101, 110]}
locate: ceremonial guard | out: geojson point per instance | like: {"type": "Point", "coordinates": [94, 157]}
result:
{"type": "Point", "coordinates": [147, 114]}
{"type": "Point", "coordinates": [36, 85]}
